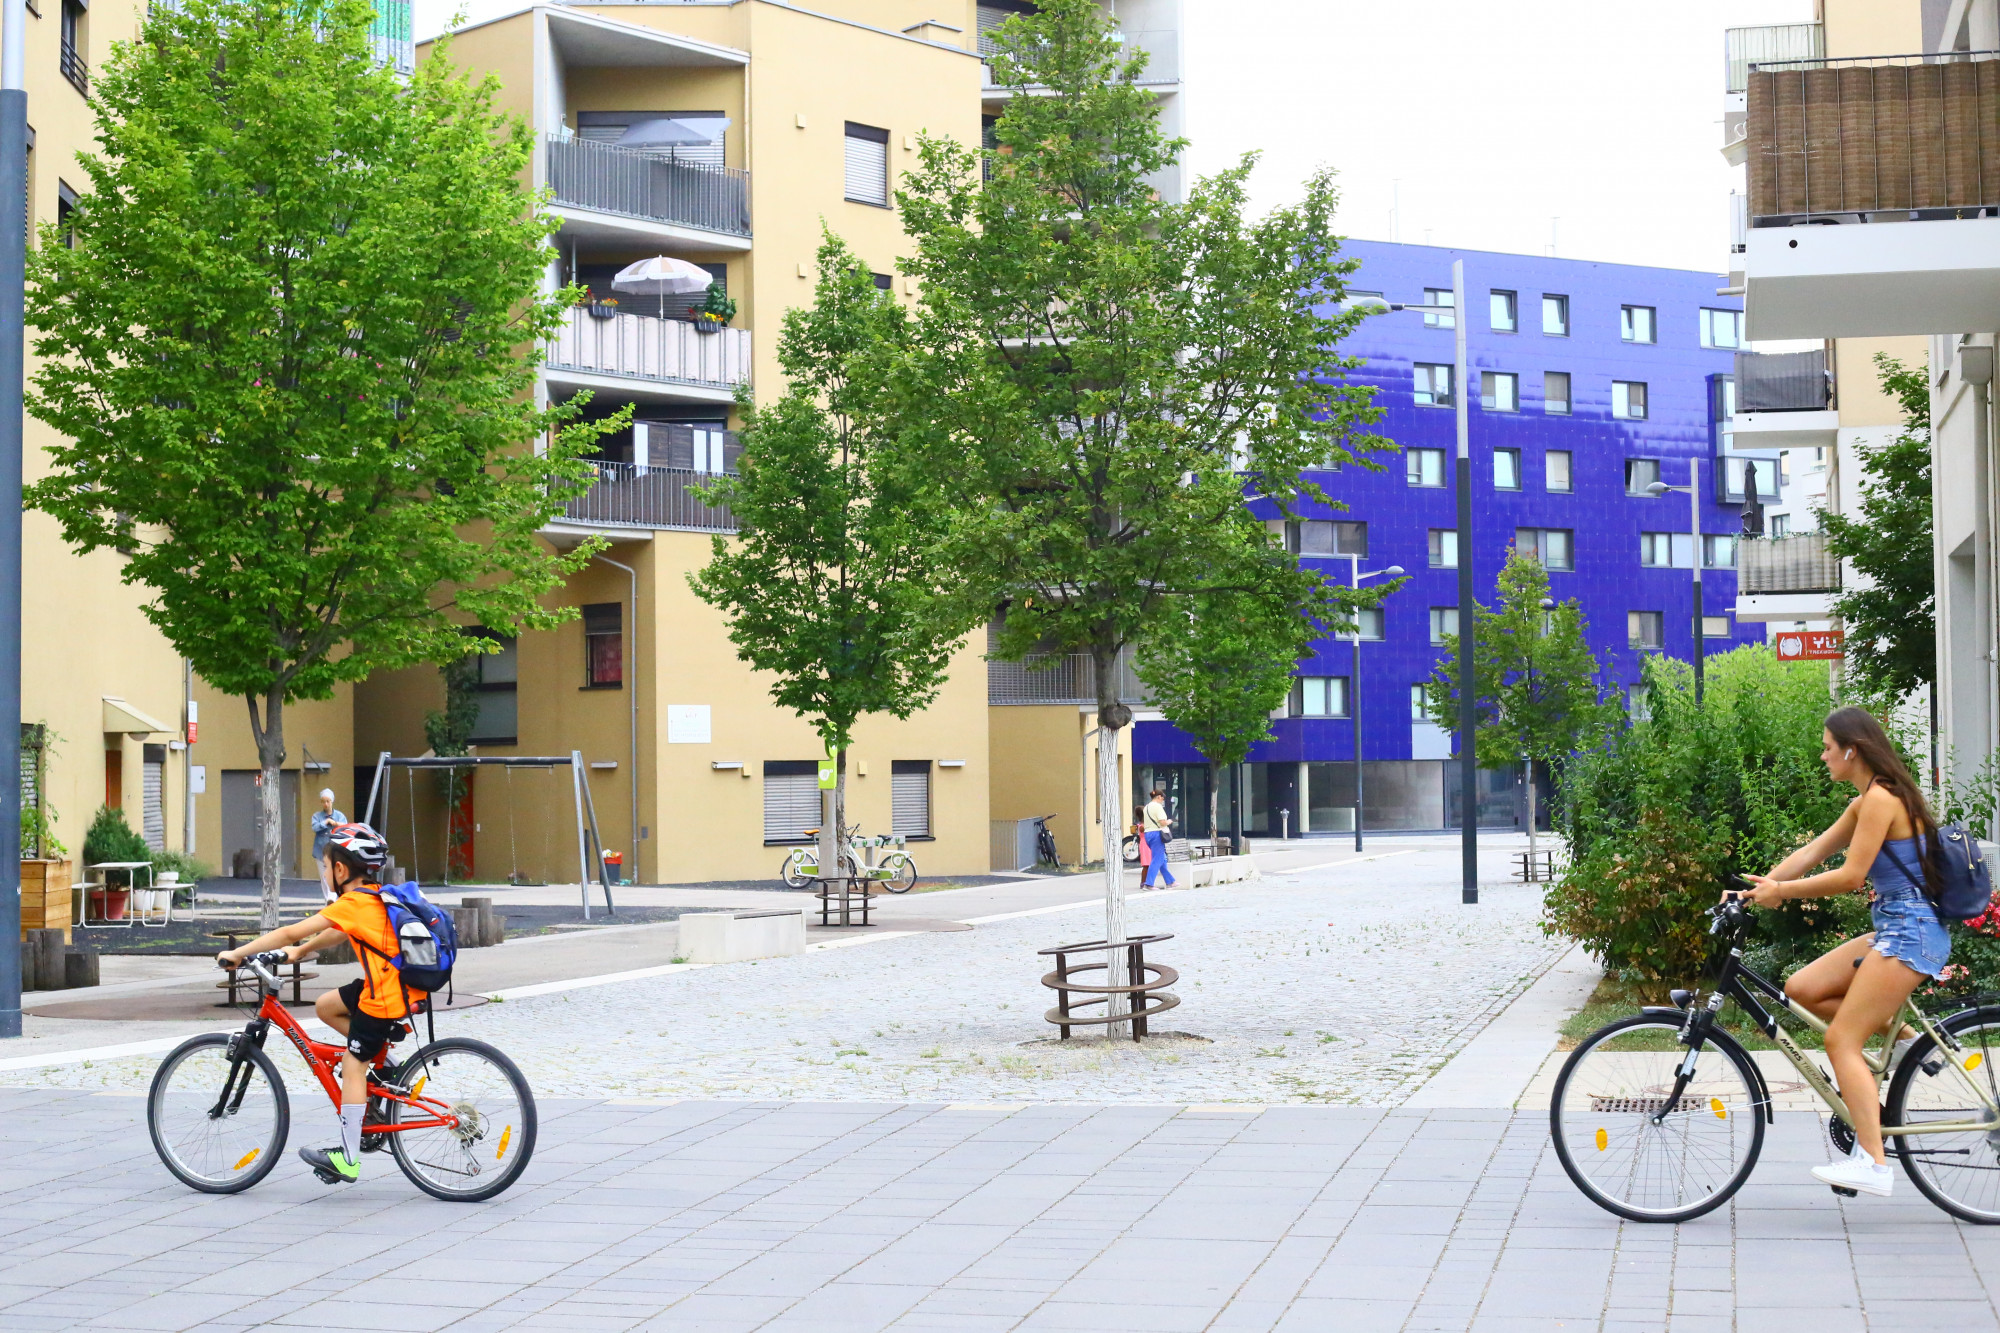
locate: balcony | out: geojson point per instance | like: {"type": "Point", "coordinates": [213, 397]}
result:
{"type": "Point", "coordinates": [1057, 678]}
{"type": "Point", "coordinates": [1787, 565]}
{"type": "Point", "coordinates": [628, 496]}
{"type": "Point", "coordinates": [630, 352]}
{"type": "Point", "coordinates": [620, 184]}
{"type": "Point", "coordinates": [1783, 401]}
{"type": "Point", "coordinates": [1874, 195]}
{"type": "Point", "coordinates": [393, 39]}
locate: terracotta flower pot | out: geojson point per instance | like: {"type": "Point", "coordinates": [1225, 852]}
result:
{"type": "Point", "coordinates": [110, 904]}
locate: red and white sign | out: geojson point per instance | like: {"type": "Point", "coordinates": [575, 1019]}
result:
{"type": "Point", "coordinates": [1817, 645]}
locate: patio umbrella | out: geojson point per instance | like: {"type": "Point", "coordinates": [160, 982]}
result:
{"type": "Point", "coordinates": [662, 276]}
{"type": "Point", "coordinates": [672, 134]}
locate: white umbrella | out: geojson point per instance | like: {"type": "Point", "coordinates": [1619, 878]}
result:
{"type": "Point", "coordinates": [672, 134]}
{"type": "Point", "coordinates": [662, 276]}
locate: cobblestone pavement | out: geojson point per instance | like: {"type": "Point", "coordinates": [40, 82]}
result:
{"type": "Point", "coordinates": [1347, 985]}
{"type": "Point", "coordinates": [840, 1218]}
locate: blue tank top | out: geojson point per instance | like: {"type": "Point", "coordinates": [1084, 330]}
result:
{"type": "Point", "coordinates": [1893, 871]}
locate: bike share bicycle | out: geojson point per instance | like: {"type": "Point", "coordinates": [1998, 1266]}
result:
{"type": "Point", "coordinates": [896, 872]}
{"type": "Point", "coordinates": [457, 1116]}
{"type": "Point", "coordinates": [1660, 1117]}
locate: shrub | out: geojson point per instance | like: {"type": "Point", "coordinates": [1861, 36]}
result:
{"type": "Point", "coordinates": [112, 839]}
{"type": "Point", "coordinates": [190, 868]}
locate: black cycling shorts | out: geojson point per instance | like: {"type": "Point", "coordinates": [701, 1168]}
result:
{"type": "Point", "coordinates": [367, 1035]}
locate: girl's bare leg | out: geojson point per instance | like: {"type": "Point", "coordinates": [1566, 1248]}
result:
{"type": "Point", "coordinates": [1879, 987]}
{"type": "Point", "coordinates": [1820, 984]}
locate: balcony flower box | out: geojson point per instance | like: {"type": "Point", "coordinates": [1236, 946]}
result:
{"type": "Point", "coordinates": [707, 323]}
{"type": "Point", "coordinates": [602, 309]}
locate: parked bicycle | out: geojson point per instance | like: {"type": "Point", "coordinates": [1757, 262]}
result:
{"type": "Point", "coordinates": [896, 872]}
{"type": "Point", "coordinates": [1660, 1117]}
{"type": "Point", "coordinates": [458, 1116]}
{"type": "Point", "coordinates": [1045, 844]}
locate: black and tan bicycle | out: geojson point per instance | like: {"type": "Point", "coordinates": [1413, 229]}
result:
{"type": "Point", "coordinates": [1660, 1117]}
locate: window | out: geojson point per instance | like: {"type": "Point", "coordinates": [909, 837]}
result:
{"type": "Point", "coordinates": [1554, 547]}
{"type": "Point", "coordinates": [1643, 629]}
{"type": "Point", "coordinates": [1319, 696]}
{"type": "Point", "coordinates": [1781, 525]}
{"type": "Point", "coordinates": [1665, 550]}
{"type": "Point", "coordinates": [1718, 551]}
{"type": "Point", "coordinates": [1444, 621]}
{"type": "Point", "coordinates": [603, 645]}
{"type": "Point", "coordinates": [1722, 328]}
{"type": "Point", "coordinates": [1315, 536]}
{"type": "Point", "coordinates": [791, 799]}
{"type": "Point", "coordinates": [1369, 621]}
{"type": "Point", "coordinates": [1499, 392]}
{"type": "Point", "coordinates": [910, 797]}
{"type": "Point", "coordinates": [867, 165]}
{"type": "Point", "coordinates": [1418, 713]}
{"type": "Point", "coordinates": [1640, 473]}
{"type": "Point", "coordinates": [1555, 315]}
{"type": "Point", "coordinates": [1556, 471]}
{"type": "Point", "coordinates": [1628, 400]}
{"type": "Point", "coordinates": [65, 210]}
{"type": "Point", "coordinates": [1424, 467]}
{"type": "Point", "coordinates": [74, 28]}
{"type": "Point", "coordinates": [1444, 548]}
{"type": "Point", "coordinates": [1715, 627]}
{"type": "Point", "coordinates": [1555, 392]}
{"type": "Point", "coordinates": [883, 281]}
{"type": "Point", "coordinates": [1636, 700]}
{"type": "Point", "coordinates": [499, 699]}
{"type": "Point", "coordinates": [1433, 385]}
{"type": "Point", "coordinates": [1722, 410]}
{"type": "Point", "coordinates": [1505, 315]}
{"type": "Point", "coordinates": [1635, 323]}
{"type": "Point", "coordinates": [1506, 469]}
{"type": "Point", "coordinates": [1439, 319]}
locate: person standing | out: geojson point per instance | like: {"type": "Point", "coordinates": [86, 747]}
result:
{"type": "Point", "coordinates": [324, 821]}
{"type": "Point", "coordinates": [1158, 829]}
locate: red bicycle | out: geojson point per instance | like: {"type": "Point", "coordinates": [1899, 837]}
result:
{"type": "Point", "coordinates": [458, 1116]}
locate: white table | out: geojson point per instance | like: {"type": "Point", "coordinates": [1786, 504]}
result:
{"type": "Point", "coordinates": [133, 915]}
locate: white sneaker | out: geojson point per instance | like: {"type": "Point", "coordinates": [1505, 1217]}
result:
{"type": "Point", "coordinates": [1866, 1176]}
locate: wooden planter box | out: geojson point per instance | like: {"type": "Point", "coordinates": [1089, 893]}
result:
{"type": "Point", "coordinates": [45, 897]}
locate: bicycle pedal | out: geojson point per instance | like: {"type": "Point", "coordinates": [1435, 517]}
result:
{"type": "Point", "coordinates": [1845, 1192]}
{"type": "Point", "coordinates": [374, 1142]}
{"type": "Point", "coordinates": [1932, 1067]}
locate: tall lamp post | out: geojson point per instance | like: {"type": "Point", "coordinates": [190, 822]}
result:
{"type": "Point", "coordinates": [1354, 692]}
{"type": "Point", "coordinates": [1693, 489]}
{"type": "Point", "coordinates": [13, 277]}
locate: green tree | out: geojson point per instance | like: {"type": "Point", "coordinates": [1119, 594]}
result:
{"type": "Point", "coordinates": [1535, 686]}
{"type": "Point", "coordinates": [831, 583]}
{"type": "Point", "coordinates": [1891, 624]}
{"type": "Point", "coordinates": [1096, 369]}
{"type": "Point", "coordinates": [286, 350]}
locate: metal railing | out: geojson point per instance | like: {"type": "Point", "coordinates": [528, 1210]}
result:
{"type": "Point", "coordinates": [632, 184]}
{"type": "Point", "coordinates": [646, 347]}
{"type": "Point", "coordinates": [1744, 47]}
{"type": "Point", "coordinates": [1057, 678]}
{"type": "Point", "coordinates": [648, 497]}
{"type": "Point", "coordinates": [75, 70]}
{"type": "Point", "coordinates": [1905, 136]}
{"type": "Point", "coordinates": [393, 36]}
{"type": "Point", "coordinates": [1783, 382]}
{"type": "Point", "coordinates": [1787, 564]}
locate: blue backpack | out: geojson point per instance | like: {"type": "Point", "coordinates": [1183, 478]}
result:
{"type": "Point", "coordinates": [428, 938]}
{"type": "Point", "coordinates": [1965, 885]}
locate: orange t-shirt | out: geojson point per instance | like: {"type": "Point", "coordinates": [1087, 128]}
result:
{"type": "Point", "coordinates": [359, 915]}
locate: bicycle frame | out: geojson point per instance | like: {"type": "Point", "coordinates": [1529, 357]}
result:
{"type": "Point", "coordinates": [1731, 985]}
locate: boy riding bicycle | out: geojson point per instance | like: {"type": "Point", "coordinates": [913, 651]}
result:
{"type": "Point", "coordinates": [371, 1009]}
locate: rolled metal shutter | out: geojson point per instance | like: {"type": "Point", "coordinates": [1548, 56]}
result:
{"type": "Point", "coordinates": [153, 817]}
{"type": "Point", "coordinates": [910, 798]}
{"type": "Point", "coordinates": [867, 164]}
{"type": "Point", "coordinates": [791, 799]}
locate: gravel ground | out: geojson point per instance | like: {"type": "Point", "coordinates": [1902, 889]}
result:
{"type": "Point", "coordinates": [1347, 986]}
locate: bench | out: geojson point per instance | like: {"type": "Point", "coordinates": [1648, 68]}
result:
{"type": "Point", "coordinates": [733, 937]}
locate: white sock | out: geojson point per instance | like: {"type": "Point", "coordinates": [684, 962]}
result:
{"type": "Point", "coordinates": [350, 1129]}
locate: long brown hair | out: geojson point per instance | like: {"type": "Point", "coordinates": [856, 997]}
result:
{"type": "Point", "coordinates": [1856, 729]}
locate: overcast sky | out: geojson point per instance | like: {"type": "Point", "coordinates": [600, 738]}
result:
{"type": "Point", "coordinates": [1484, 121]}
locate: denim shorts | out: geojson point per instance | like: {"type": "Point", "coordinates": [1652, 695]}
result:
{"type": "Point", "coordinates": [1907, 930]}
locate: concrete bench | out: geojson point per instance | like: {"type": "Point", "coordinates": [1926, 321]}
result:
{"type": "Point", "coordinates": [732, 937]}
{"type": "Point", "coordinates": [1218, 870]}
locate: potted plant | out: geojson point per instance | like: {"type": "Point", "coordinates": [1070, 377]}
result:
{"type": "Point", "coordinates": [602, 307]}
{"type": "Point", "coordinates": [112, 839]}
{"type": "Point", "coordinates": [715, 312]}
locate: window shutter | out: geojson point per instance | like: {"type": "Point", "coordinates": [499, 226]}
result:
{"type": "Point", "coordinates": [867, 164]}
{"type": "Point", "coordinates": [672, 446]}
{"type": "Point", "coordinates": [910, 798]}
{"type": "Point", "coordinates": [153, 819]}
{"type": "Point", "coordinates": [732, 451]}
{"type": "Point", "coordinates": [791, 799]}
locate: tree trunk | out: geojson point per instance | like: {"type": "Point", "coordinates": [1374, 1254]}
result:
{"type": "Point", "coordinates": [829, 832]}
{"type": "Point", "coordinates": [840, 805]}
{"type": "Point", "coordinates": [269, 733]}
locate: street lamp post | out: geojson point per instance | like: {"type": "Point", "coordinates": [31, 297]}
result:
{"type": "Point", "coordinates": [13, 279]}
{"type": "Point", "coordinates": [1693, 489]}
{"type": "Point", "coordinates": [1354, 691]}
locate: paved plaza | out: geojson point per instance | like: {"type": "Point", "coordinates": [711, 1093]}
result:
{"type": "Point", "coordinates": [880, 1135]}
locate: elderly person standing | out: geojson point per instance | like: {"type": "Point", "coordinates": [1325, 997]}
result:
{"type": "Point", "coordinates": [325, 820]}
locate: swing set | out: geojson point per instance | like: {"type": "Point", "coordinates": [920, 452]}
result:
{"type": "Point", "coordinates": [589, 847]}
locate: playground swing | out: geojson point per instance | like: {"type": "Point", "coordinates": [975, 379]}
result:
{"type": "Point", "coordinates": [514, 873]}
{"type": "Point", "coordinates": [589, 846]}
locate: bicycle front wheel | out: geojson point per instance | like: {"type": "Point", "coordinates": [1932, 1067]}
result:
{"type": "Point", "coordinates": [1633, 1154]}
{"type": "Point", "coordinates": [218, 1123]}
{"type": "Point", "coordinates": [899, 872]}
{"type": "Point", "coordinates": [1959, 1171]}
{"type": "Point", "coordinates": [495, 1135]}
{"type": "Point", "coordinates": [798, 870]}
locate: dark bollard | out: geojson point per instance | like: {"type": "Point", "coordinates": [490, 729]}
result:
{"type": "Point", "coordinates": [79, 968]}
{"type": "Point", "coordinates": [466, 920]}
{"type": "Point", "coordinates": [47, 946]}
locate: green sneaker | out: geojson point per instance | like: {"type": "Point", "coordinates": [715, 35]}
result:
{"type": "Point", "coordinates": [331, 1165]}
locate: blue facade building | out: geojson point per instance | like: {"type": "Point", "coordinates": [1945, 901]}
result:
{"type": "Point", "coordinates": [1589, 382]}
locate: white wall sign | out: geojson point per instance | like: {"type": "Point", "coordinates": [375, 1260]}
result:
{"type": "Point", "coordinates": [687, 724]}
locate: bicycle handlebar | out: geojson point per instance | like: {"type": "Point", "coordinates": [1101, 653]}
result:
{"type": "Point", "coordinates": [261, 964]}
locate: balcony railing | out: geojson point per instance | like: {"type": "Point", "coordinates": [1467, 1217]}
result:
{"type": "Point", "coordinates": [646, 347]}
{"type": "Point", "coordinates": [392, 35]}
{"type": "Point", "coordinates": [1906, 136]}
{"type": "Point", "coordinates": [1787, 564]}
{"type": "Point", "coordinates": [1057, 678]}
{"type": "Point", "coordinates": [1744, 47]}
{"type": "Point", "coordinates": [1783, 382]}
{"type": "Point", "coordinates": [609, 179]}
{"type": "Point", "coordinates": [75, 70]}
{"type": "Point", "coordinates": [626, 496]}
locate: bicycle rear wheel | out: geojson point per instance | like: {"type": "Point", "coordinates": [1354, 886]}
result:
{"type": "Point", "coordinates": [495, 1136]}
{"type": "Point", "coordinates": [1957, 1171]}
{"type": "Point", "coordinates": [1700, 1150]}
{"type": "Point", "coordinates": [900, 873]}
{"type": "Point", "coordinates": [219, 1124]}
{"type": "Point", "coordinates": [797, 870]}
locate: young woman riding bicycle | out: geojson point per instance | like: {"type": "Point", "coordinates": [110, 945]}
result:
{"type": "Point", "coordinates": [1890, 838]}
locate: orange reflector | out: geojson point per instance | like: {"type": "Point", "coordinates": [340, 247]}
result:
{"type": "Point", "coordinates": [1602, 1139]}
{"type": "Point", "coordinates": [505, 1135]}
{"type": "Point", "coordinates": [1715, 1105]}
{"type": "Point", "coordinates": [248, 1158]}
{"type": "Point", "coordinates": [418, 1090]}
{"type": "Point", "coordinates": [1972, 1061]}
